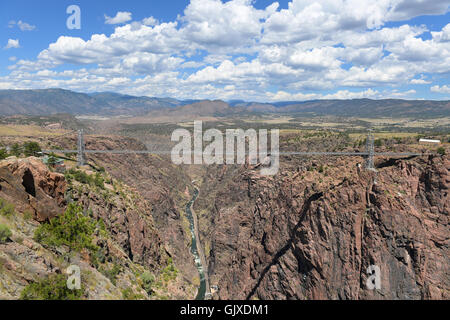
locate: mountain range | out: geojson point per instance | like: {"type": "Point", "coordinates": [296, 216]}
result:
{"type": "Point", "coordinates": [52, 101]}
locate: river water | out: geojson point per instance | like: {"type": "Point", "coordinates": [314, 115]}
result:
{"type": "Point", "coordinates": [194, 249]}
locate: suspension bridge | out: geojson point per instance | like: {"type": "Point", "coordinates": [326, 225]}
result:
{"type": "Point", "coordinates": [369, 154]}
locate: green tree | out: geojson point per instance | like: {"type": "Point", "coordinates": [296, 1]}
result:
{"type": "Point", "coordinates": [6, 208]}
{"type": "Point", "coordinates": [5, 233]}
{"type": "Point", "coordinates": [52, 159]}
{"type": "Point", "coordinates": [441, 151]}
{"type": "Point", "coordinates": [72, 229]}
{"type": "Point", "coordinates": [31, 149]}
{"type": "Point", "coordinates": [378, 143]}
{"type": "Point", "coordinates": [16, 150]}
{"type": "Point", "coordinates": [147, 282]}
{"type": "Point", "coordinates": [3, 154]}
{"type": "Point", "coordinates": [99, 181]}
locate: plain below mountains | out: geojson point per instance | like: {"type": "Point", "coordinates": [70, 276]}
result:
{"type": "Point", "coordinates": [53, 101]}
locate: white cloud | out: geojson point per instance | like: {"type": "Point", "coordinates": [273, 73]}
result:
{"type": "Point", "coordinates": [214, 23]}
{"type": "Point", "coordinates": [438, 89]}
{"type": "Point", "coordinates": [25, 26]}
{"type": "Point", "coordinates": [12, 58]}
{"type": "Point", "coordinates": [150, 21]}
{"type": "Point", "coordinates": [121, 17]}
{"type": "Point", "coordinates": [12, 44]}
{"type": "Point", "coordinates": [443, 35]}
{"type": "Point", "coordinates": [420, 81]}
{"type": "Point", "coordinates": [407, 9]}
{"type": "Point", "coordinates": [191, 64]}
{"type": "Point", "coordinates": [22, 25]}
{"type": "Point", "coordinates": [401, 95]}
{"type": "Point", "coordinates": [345, 94]}
{"type": "Point", "coordinates": [239, 51]}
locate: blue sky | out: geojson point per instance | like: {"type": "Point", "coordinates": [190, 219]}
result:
{"type": "Point", "coordinates": [239, 49]}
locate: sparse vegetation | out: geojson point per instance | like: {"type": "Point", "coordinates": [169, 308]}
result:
{"type": "Point", "coordinates": [147, 282]}
{"type": "Point", "coordinates": [16, 150]}
{"type": "Point", "coordinates": [53, 287]}
{"type": "Point", "coordinates": [84, 178]}
{"type": "Point", "coordinates": [111, 273]}
{"type": "Point", "coordinates": [52, 160]}
{"type": "Point", "coordinates": [31, 149]}
{"type": "Point", "coordinates": [128, 294]}
{"type": "Point", "coordinates": [72, 229]}
{"type": "Point", "coordinates": [5, 233]}
{"type": "Point", "coordinates": [378, 143]}
{"type": "Point", "coordinates": [3, 154]}
{"type": "Point", "coordinates": [6, 208]}
{"type": "Point", "coordinates": [170, 272]}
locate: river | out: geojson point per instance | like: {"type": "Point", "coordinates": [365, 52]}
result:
{"type": "Point", "coordinates": [195, 250]}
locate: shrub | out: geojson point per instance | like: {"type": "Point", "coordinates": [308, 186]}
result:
{"type": "Point", "coordinates": [128, 294]}
{"type": "Point", "coordinates": [170, 272]}
{"type": "Point", "coordinates": [53, 287]}
{"type": "Point", "coordinates": [84, 178]}
{"type": "Point", "coordinates": [72, 229]}
{"type": "Point", "coordinates": [5, 233]}
{"type": "Point", "coordinates": [147, 282]}
{"type": "Point", "coordinates": [378, 143]}
{"type": "Point", "coordinates": [31, 149]}
{"type": "Point", "coordinates": [3, 154]}
{"type": "Point", "coordinates": [98, 181]}
{"type": "Point", "coordinates": [6, 209]}
{"type": "Point", "coordinates": [81, 176]}
{"type": "Point", "coordinates": [52, 160]}
{"type": "Point", "coordinates": [16, 150]}
{"type": "Point", "coordinates": [441, 151]}
{"type": "Point", "coordinates": [112, 273]}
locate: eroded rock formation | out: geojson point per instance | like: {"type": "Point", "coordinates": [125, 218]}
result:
{"type": "Point", "coordinates": [306, 234]}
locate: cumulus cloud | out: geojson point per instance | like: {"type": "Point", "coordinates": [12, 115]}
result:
{"type": "Point", "coordinates": [438, 89]}
{"type": "Point", "coordinates": [420, 81]}
{"type": "Point", "coordinates": [407, 9]}
{"type": "Point", "coordinates": [238, 51]}
{"type": "Point", "coordinates": [121, 17]}
{"type": "Point", "coordinates": [12, 43]}
{"type": "Point", "coordinates": [212, 23]}
{"type": "Point", "coordinates": [150, 21]}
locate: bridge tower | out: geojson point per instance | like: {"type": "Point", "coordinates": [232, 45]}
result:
{"type": "Point", "coordinates": [370, 149]}
{"type": "Point", "coordinates": [80, 148]}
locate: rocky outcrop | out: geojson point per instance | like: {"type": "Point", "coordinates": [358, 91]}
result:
{"type": "Point", "coordinates": [30, 184]}
{"type": "Point", "coordinates": [130, 225]}
{"type": "Point", "coordinates": [160, 183]}
{"type": "Point", "coordinates": [312, 234]}
{"type": "Point", "coordinates": [128, 242]}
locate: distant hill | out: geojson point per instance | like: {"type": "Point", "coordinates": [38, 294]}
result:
{"type": "Point", "coordinates": [45, 102]}
{"type": "Point", "coordinates": [372, 108]}
{"type": "Point", "coordinates": [53, 101]}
